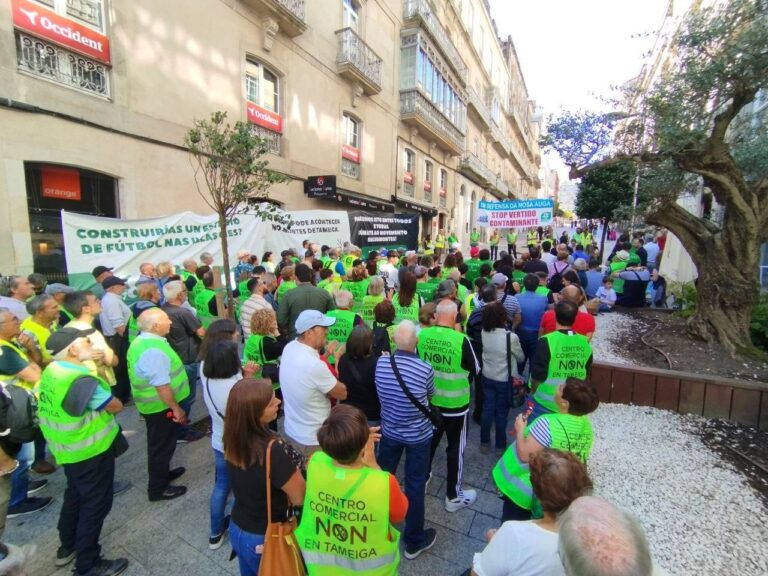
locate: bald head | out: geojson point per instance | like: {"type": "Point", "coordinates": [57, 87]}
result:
{"type": "Point", "coordinates": [572, 293]}
{"type": "Point", "coordinates": [405, 336]}
{"type": "Point", "coordinates": [445, 314]}
{"type": "Point", "coordinates": [155, 321]}
{"type": "Point", "coordinates": [598, 539]}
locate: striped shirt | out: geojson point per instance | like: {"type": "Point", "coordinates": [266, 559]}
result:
{"type": "Point", "coordinates": [400, 419]}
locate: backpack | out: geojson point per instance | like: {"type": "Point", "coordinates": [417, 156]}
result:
{"type": "Point", "coordinates": [555, 283]}
{"type": "Point", "coordinates": [18, 413]}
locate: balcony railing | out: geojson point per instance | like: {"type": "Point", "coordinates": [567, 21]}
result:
{"type": "Point", "coordinates": [290, 14]}
{"type": "Point", "coordinates": [476, 170]}
{"type": "Point", "coordinates": [357, 62]}
{"type": "Point", "coordinates": [417, 110]}
{"type": "Point", "coordinates": [420, 10]}
{"type": "Point", "coordinates": [474, 100]}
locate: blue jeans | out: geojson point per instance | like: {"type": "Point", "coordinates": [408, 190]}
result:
{"type": "Point", "coordinates": [605, 308]}
{"type": "Point", "coordinates": [416, 472]}
{"type": "Point", "coordinates": [244, 545]}
{"type": "Point", "coordinates": [221, 490]}
{"type": "Point", "coordinates": [495, 407]}
{"type": "Point", "coordinates": [528, 342]}
{"type": "Point", "coordinates": [20, 476]}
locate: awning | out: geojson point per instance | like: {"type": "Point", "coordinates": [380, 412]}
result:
{"type": "Point", "coordinates": [426, 210]}
{"type": "Point", "coordinates": [364, 202]}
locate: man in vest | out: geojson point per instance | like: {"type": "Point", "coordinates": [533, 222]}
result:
{"type": "Point", "coordinates": [450, 354]}
{"type": "Point", "coordinates": [346, 320]}
{"type": "Point", "coordinates": [59, 292]}
{"type": "Point", "coordinates": [189, 278]}
{"type": "Point", "coordinates": [474, 237]}
{"type": "Point", "coordinates": [159, 384]}
{"type": "Point", "coordinates": [512, 242]}
{"type": "Point", "coordinates": [532, 238]}
{"type": "Point", "coordinates": [76, 412]}
{"type": "Point", "coordinates": [43, 312]}
{"type": "Point", "coordinates": [439, 245]}
{"type": "Point", "coordinates": [205, 302]}
{"type": "Point", "coordinates": [16, 367]}
{"type": "Point", "coordinates": [559, 355]}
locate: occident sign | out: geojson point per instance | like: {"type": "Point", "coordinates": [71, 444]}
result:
{"type": "Point", "coordinates": [46, 24]}
{"type": "Point", "coordinates": [264, 118]}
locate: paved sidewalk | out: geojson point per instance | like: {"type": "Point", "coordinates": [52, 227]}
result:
{"type": "Point", "coordinates": [171, 538]}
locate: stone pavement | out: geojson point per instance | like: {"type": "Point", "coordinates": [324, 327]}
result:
{"type": "Point", "coordinates": [171, 538]}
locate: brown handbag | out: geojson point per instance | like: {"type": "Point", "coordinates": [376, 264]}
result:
{"type": "Point", "coordinates": [281, 555]}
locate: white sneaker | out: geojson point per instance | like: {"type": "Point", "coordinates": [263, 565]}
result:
{"type": "Point", "coordinates": [464, 499]}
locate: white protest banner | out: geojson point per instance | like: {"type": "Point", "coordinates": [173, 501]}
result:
{"type": "Point", "coordinates": [91, 241]}
{"type": "Point", "coordinates": [515, 213]}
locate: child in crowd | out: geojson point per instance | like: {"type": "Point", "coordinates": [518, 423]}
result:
{"type": "Point", "coordinates": [607, 295]}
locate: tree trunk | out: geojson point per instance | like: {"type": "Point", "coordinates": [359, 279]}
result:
{"type": "Point", "coordinates": [229, 310]}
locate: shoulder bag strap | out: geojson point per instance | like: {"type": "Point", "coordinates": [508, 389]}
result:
{"type": "Point", "coordinates": [268, 458]}
{"type": "Point", "coordinates": [567, 438]}
{"type": "Point", "coordinates": [509, 357]}
{"type": "Point", "coordinates": [423, 409]}
{"type": "Point", "coordinates": [208, 389]}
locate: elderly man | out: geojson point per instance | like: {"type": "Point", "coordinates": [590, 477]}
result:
{"type": "Point", "coordinates": [304, 297]}
{"type": "Point", "coordinates": [14, 293]}
{"type": "Point", "coordinates": [189, 268]}
{"type": "Point", "coordinates": [15, 366]}
{"type": "Point", "coordinates": [59, 292]}
{"type": "Point", "coordinates": [159, 385]}
{"type": "Point", "coordinates": [596, 537]}
{"type": "Point", "coordinates": [77, 418]}
{"type": "Point", "coordinates": [100, 273]}
{"type": "Point", "coordinates": [450, 354]}
{"type": "Point", "coordinates": [405, 426]}
{"type": "Point", "coordinates": [307, 381]}
{"type": "Point", "coordinates": [43, 313]}
{"type": "Point", "coordinates": [206, 259]}
{"type": "Point", "coordinates": [243, 266]}
{"type": "Point", "coordinates": [510, 303]}
{"type": "Point", "coordinates": [114, 319]}
{"type": "Point", "coordinates": [184, 337]}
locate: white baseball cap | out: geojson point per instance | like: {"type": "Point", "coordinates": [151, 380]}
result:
{"type": "Point", "coordinates": [308, 319]}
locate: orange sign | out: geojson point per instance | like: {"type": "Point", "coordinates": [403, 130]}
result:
{"type": "Point", "coordinates": [46, 24]}
{"type": "Point", "coordinates": [61, 183]}
{"type": "Point", "coordinates": [350, 153]}
{"type": "Point", "coordinates": [264, 118]}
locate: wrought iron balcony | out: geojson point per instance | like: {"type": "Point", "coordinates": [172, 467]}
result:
{"type": "Point", "coordinates": [289, 14]}
{"type": "Point", "coordinates": [419, 12]}
{"type": "Point", "coordinates": [476, 170]}
{"type": "Point", "coordinates": [416, 110]}
{"type": "Point", "coordinates": [474, 101]}
{"type": "Point", "coordinates": [357, 62]}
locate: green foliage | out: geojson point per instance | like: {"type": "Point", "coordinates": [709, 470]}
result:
{"type": "Point", "coordinates": [604, 190]}
{"type": "Point", "coordinates": [685, 297]}
{"type": "Point", "coordinates": [759, 324]}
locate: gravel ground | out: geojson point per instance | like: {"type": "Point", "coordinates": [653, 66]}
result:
{"type": "Point", "coordinates": [700, 515]}
{"type": "Point", "coordinates": [611, 327]}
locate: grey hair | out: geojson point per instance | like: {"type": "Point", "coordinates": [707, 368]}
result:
{"type": "Point", "coordinates": [597, 538]}
{"type": "Point", "coordinates": [189, 262]}
{"type": "Point", "coordinates": [7, 284]}
{"type": "Point", "coordinates": [268, 278]}
{"type": "Point", "coordinates": [405, 336]}
{"type": "Point", "coordinates": [343, 298]}
{"type": "Point", "coordinates": [376, 286]}
{"type": "Point", "coordinates": [205, 256]}
{"type": "Point", "coordinates": [455, 275]}
{"type": "Point", "coordinates": [172, 289]}
{"type": "Point", "coordinates": [36, 304]}
{"type": "Point", "coordinates": [446, 307]}
{"type": "Point", "coordinates": [148, 319]}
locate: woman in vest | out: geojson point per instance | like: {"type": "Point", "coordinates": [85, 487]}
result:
{"type": "Point", "coordinates": [374, 296]}
{"type": "Point", "coordinates": [357, 284]}
{"type": "Point", "coordinates": [251, 407]}
{"type": "Point", "coordinates": [220, 371]}
{"type": "Point", "coordinates": [350, 504]}
{"type": "Point", "coordinates": [265, 345]}
{"type": "Point", "coordinates": [530, 547]}
{"type": "Point", "coordinates": [569, 429]}
{"type": "Point", "coordinates": [407, 301]}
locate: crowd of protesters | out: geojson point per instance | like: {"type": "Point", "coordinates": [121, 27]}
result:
{"type": "Point", "coordinates": [362, 359]}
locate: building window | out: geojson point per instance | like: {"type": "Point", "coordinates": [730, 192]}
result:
{"type": "Point", "coordinates": [437, 89]}
{"type": "Point", "coordinates": [351, 15]}
{"type": "Point", "coordinates": [409, 160]}
{"type": "Point", "coordinates": [428, 174]}
{"type": "Point", "coordinates": [51, 62]}
{"type": "Point", "coordinates": [88, 12]}
{"type": "Point", "coordinates": [350, 149]}
{"type": "Point", "coordinates": [443, 179]}
{"type": "Point", "coordinates": [262, 88]}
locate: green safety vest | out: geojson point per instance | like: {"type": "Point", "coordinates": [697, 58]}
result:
{"type": "Point", "coordinates": [512, 476]}
{"type": "Point", "coordinates": [511, 237]}
{"type": "Point", "coordinates": [469, 306]}
{"type": "Point", "coordinates": [144, 394]}
{"type": "Point", "coordinates": [494, 240]}
{"type": "Point", "coordinates": [473, 269]}
{"type": "Point", "coordinates": [254, 352]}
{"type": "Point", "coordinates": [341, 329]}
{"type": "Point", "coordinates": [66, 313]}
{"type": "Point", "coordinates": [202, 300]}
{"type": "Point", "coordinates": [359, 290]}
{"type": "Point", "coordinates": [197, 287]}
{"type": "Point", "coordinates": [440, 241]}
{"type": "Point", "coordinates": [474, 238]}
{"type": "Point", "coordinates": [368, 308]}
{"type": "Point", "coordinates": [540, 290]}
{"type": "Point", "coordinates": [532, 238]}
{"type": "Point", "coordinates": [568, 356]}
{"type": "Point", "coordinates": [442, 348]}
{"type": "Point", "coordinates": [72, 438]}
{"type": "Point", "coordinates": [518, 276]}
{"type": "Point", "coordinates": [41, 335]}
{"type": "Point", "coordinates": [345, 529]}
{"type": "Point", "coordinates": [618, 283]}
{"type": "Point", "coordinates": [426, 290]}
{"type": "Point", "coordinates": [8, 379]}
{"type": "Point", "coordinates": [446, 272]}
{"type": "Point", "coordinates": [285, 286]}
{"type": "Point", "coordinates": [406, 312]}
{"type": "Point", "coordinates": [390, 328]}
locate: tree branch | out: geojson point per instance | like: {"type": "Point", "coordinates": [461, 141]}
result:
{"type": "Point", "coordinates": [691, 230]}
{"type": "Point", "coordinates": [642, 158]}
